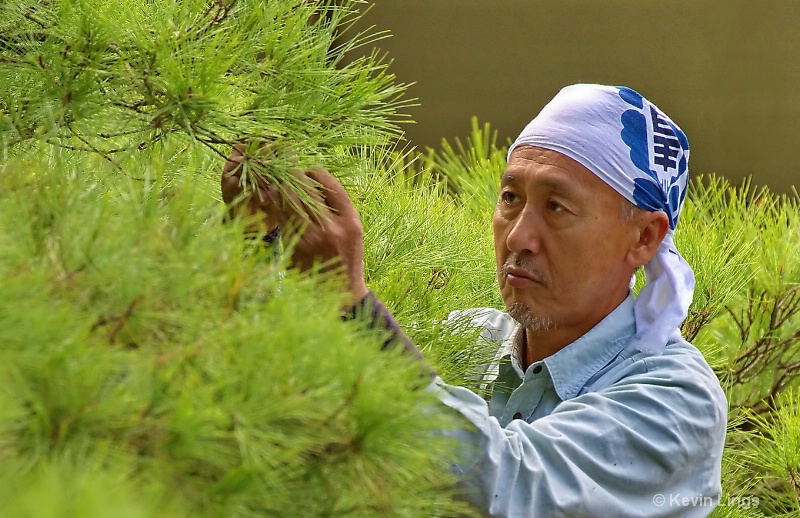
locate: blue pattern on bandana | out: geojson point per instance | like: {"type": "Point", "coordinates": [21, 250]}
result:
{"type": "Point", "coordinates": [664, 185]}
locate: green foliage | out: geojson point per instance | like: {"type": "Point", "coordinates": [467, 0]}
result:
{"type": "Point", "coordinates": [754, 343]}
{"type": "Point", "coordinates": [739, 498]}
{"type": "Point", "coordinates": [778, 455]}
{"type": "Point", "coordinates": [146, 345]}
{"type": "Point", "coordinates": [470, 170]}
{"type": "Point", "coordinates": [426, 257]}
{"type": "Point", "coordinates": [719, 255]}
{"type": "Point", "coordinates": [117, 77]}
{"type": "Point", "coordinates": [761, 326]}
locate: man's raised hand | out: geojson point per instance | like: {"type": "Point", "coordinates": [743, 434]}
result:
{"type": "Point", "coordinates": [327, 233]}
{"type": "Point", "coordinates": [240, 198]}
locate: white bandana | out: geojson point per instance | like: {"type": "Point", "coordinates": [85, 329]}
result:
{"type": "Point", "coordinates": [636, 149]}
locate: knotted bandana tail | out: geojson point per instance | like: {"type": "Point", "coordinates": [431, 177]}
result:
{"type": "Point", "coordinates": [636, 149]}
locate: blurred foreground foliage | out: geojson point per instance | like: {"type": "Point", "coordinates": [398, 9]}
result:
{"type": "Point", "coordinates": [156, 363]}
{"type": "Point", "coordinates": [151, 353]}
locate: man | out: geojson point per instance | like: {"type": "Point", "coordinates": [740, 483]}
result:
{"type": "Point", "coordinates": [598, 407]}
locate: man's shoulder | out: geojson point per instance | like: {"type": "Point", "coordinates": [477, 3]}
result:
{"type": "Point", "coordinates": [681, 366]}
{"type": "Point", "coordinates": [683, 362]}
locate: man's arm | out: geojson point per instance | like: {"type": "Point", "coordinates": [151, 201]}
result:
{"type": "Point", "coordinates": [649, 445]}
{"type": "Point", "coordinates": [332, 237]}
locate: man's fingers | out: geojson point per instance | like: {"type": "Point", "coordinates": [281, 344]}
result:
{"type": "Point", "coordinates": [284, 207]}
{"type": "Point", "coordinates": [310, 207]}
{"type": "Point", "coordinates": [272, 203]}
{"type": "Point", "coordinates": [309, 198]}
{"type": "Point", "coordinates": [332, 191]}
{"type": "Point", "coordinates": [313, 211]}
{"type": "Point", "coordinates": [234, 182]}
{"type": "Point", "coordinates": [234, 162]}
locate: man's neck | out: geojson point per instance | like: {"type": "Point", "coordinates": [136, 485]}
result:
{"type": "Point", "coordinates": [536, 346]}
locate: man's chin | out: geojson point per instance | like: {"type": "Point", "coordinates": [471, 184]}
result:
{"type": "Point", "coordinates": [534, 323]}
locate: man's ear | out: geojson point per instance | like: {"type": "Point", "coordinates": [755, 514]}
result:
{"type": "Point", "coordinates": [650, 229]}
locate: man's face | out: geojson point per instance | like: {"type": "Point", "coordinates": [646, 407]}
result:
{"type": "Point", "coordinates": [560, 244]}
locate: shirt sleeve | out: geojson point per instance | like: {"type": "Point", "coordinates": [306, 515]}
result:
{"type": "Point", "coordinates": [372, 311]}
{"type": "Point", "coordinates": [648, 445]}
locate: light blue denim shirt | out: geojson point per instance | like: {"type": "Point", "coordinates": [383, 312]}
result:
{"type": "Point", "coordinates": [597, 429]}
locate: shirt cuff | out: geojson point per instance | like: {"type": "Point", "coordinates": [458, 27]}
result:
{"type": "Point", "coordinates": [371, 310]}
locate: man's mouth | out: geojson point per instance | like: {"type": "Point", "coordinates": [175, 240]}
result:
{"type": "Point", "coordinates": [519, 272]}
{"type": "Point", "coordinates": [521, 278]}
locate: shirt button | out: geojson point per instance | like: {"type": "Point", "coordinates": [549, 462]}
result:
{"type": "Point", "coordinates": [517, 416]}
{"type": "Point", "coordinates": [537, 369]}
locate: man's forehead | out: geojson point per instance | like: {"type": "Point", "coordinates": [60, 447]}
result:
{"type": "Point", "coordinates": [523, 155]}
{"type": "Point", "coordinates": [556, 172]}
{"type": "Point", "coordinates": [554, 180]}
{"type": "Point", "coordinates": [550, 166]}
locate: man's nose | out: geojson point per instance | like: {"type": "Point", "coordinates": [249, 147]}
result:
{"type": "Point", "coordinates": [525, 234]}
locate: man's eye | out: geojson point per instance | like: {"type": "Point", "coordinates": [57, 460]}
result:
{"type": "Point", "coordinates": [508, 197]}
{"type": "Point", "coordinates": [555, 206]}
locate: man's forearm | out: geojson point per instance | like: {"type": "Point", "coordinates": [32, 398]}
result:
{"type": "Point", "coordinates": [375, 314]}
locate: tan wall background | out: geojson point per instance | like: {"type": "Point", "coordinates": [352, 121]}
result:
{"type": "Point", "coordinates": [727, 71]}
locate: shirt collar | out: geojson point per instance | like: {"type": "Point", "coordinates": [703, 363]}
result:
{"type": "Point", "coordinates": [574, 365]}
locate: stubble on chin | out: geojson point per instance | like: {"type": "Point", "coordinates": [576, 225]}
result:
{"type": "Point", "coordinates": [534, 324]}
